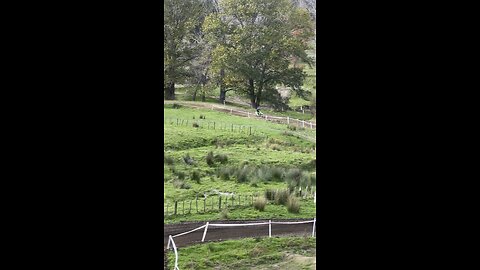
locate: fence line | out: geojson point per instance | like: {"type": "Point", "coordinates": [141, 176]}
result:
{"type": "Point", "coordinates": [211, 125]}
{"type": "Point", "coordinates": [208, 224]}
{"type": "Point", "coordinates": [220, 202]}
{"type": "Point", "coordinates": [283, 120]}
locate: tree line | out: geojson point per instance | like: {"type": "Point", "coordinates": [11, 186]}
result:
{"type": "Point", "coordinates": [247, 46]}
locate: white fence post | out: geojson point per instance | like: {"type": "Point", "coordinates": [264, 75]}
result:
{"type": "Point", "coordinates": [270, 228]}
{"type": "Point", "coordinates": [313, 231]}
{"type": "Point", "coordinates": [248, 113]}
{"type": "Point", "coordinates": [288, 120]}
{"type": "Point", "coordinates": [315, 197]}
{"type": "Point", "coordinates": [303, 123]}
{"type": "Point", "coordinates": [311, 125]}
{"type": "Point", "coordinates": [205, 232]}
{"type": "Point", "coordinates": [168, 245]}
{"type": "Point", "coordinates": [266, 117]}
{"type": "Point", "coordinates": [231, 111]}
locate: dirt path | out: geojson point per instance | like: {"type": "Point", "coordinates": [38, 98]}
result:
{"type": "Point", "coordinates": [225, 233]}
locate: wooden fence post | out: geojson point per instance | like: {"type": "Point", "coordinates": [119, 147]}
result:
{"type": "Point", "coordinates": [220, 202]}
{"type": "Point", "coordinates": [175, 213]}
{"type": "Point", "coordinates": [204, 205]}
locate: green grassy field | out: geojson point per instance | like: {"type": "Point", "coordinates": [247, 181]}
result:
{"type": "Point", "coordinates": [250, 161]}
{"type": "Point", "coordinates": [259, 253]}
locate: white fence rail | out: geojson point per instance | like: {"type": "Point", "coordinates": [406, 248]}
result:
{"type": "Point", "coordinates": [287, 120]}
{"type": "Point", "coordinates": [207, 225]}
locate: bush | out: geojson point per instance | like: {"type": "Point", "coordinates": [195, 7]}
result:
{"type": "Point", "coordinates": [195, 125]}
{"type": "Point", "coordinates": [196, 176]}
{"type": "Point", "coordinates": [180, 174]}
{"type": "Point", "coordinates": [168, 160]}
{"type": "Point", "coordinates": [180, 184]}
{"type": "Point", "coordinates": [176, 106]}
{"type": "Point", "coordinates": [277, 173]}
{"type": "Point", "coordinates": [210, 159]}
{"type": "Point", "coordinates": [282, 196]}
{"type": "Point", "coordinates": [224, 173]}
{"type": "Point", "coordinates": [291, 127]}
{"type": "Point", "coordinates": [260, 203]}
{"type": "Point", "coordinates": [293, 177]}
{"type": "Point", "coordinates": [293, 205]}
{"type": "Point", "coordinates": [221, 158]}
{"type": "Point", "coordinates": [242, 174]}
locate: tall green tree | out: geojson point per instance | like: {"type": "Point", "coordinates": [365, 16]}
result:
{"type": "Point", "coordinates": [255, 41]}
{"type": "Point", "coordinates": [180, 18]}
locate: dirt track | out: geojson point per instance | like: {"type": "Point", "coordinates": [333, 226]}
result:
{"type": "Point", "coordinates": [224, 233]}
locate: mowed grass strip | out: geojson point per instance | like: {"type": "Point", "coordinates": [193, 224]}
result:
{"type": "Point", "coordinates": [248, 253]}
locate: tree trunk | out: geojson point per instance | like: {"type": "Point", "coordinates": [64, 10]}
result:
{"type": "Point", "coordinates": [251, 93]}
{"type": "Point", "coordinates": [170, 91]}
{"type": "Point", "coordinates": [195, 94]}
{"type": "Point", "coordinates": [223, 91]}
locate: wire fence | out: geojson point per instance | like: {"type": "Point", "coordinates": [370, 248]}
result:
{"type": "Point", "coordinates": [171, 242]}
{"type": "Point", "coordinates": [212, 125]}
{"type": "Point", "coordinates": [212, 204]}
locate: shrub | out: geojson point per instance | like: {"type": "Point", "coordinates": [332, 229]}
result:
{"type": "Point", "coordinates": [202, 117]}
{"type": "Point", "coordinates": [224, 173]}
{"type": "Point", "coordinates": [293, 205]}
{"type": "Point", "coordinates": [180, 184]}
{"type": "Point", "coordinates": [242, 174]}
{"type": "Point", "coordinates": [282, 196]}
{"type": "Point", "coordinates": [277, 173]}
{"type": "Point", "coordinates": [210, 159]}
{"type": "Point", "coordinates": [169, 160]}
{"type": "Point", "coordinates": [195, 125]}
{"type": "Point", "coordinates": [222, 158]}
{"type": "Point", "coordinates": [196, 176]}
{"type": "Point", "coordinates": [176, 106]}
{"type": "Point", "coordinates": [260, 203]}
{"type": "Point", "coordinates": [293, 177]}
{"type": "Point", "coordinates": [180, 174]}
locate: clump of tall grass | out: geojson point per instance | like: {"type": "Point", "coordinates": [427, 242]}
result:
{"type": "Point", "coordinates": [293, 205]}
{"type": "Point", "coordinates": [168, 160]}
{"type": "Point", "coordinates": [177, 183]}
{"type": "Point", "coordinates": [224, 173]}
{"type": "Point", "coordinates": [241, 174]}
{"type": "Point", "coordinates": [196, 176]}
{"type": "Point", "coordinates": [210, 159]}
{"type": "Point", "coordinates": [222, 158]}
{"type": "Point", "coordinates": [260, 203]}
{"type": "Point", "coordinates": [282, 196]}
